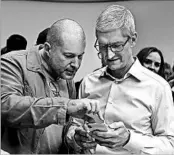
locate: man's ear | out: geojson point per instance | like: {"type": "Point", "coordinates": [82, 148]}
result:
{"type": "Point", "coordinates": [134, 39]}
{"type": "Point", "coordinates": [47, 48]}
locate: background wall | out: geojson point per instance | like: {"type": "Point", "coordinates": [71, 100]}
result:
{"type": "Point", "coordinates": [154, 19]}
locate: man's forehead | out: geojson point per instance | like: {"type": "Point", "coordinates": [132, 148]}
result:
{"type": "Point", "coordinates": [111, 36]}
{"type": "Point", "coordinates": [72, 38]}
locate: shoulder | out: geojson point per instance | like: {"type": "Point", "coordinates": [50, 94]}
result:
{"type": "Point", "coordinates": [153, 78]}
{"type": "Point", "coordinates": [146, 76]}
{"type": "Point", "coordinates": [94, 75]}
{"type": "Point", "coordinates": [14, 57]}
{"type": "Point", "coordinates": [14, 54]}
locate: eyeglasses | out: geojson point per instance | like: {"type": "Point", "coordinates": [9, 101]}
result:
{"type": "Point", "coordinates": [114, 47]}
{"type": "Point", "coordinates": [149, 62]}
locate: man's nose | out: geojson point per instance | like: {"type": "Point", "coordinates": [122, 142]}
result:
{"type": "Point", "coordinates": [75, 63]}
{"type": "Point", "coordinates": [110, 54]}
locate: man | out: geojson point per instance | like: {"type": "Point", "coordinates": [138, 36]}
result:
{"type": "Point", "coordinates": [37, 91]}
{"type": "Point", "coordinates": [135, 104]}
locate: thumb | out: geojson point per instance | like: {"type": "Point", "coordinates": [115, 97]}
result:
{"type": "Point", "coordinates": [89, 118]}
{"type": "Point", "coordinates": [100, 115]}
{"type": "Point", "coordinates": [116, 125]}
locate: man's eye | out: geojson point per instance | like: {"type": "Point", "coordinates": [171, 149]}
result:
{"type": "Point", "coordinates": [69, 56]}
{"type": "Point", "coordinates": [116, 46]}
{"type": "Point", "coordinates": [80, 57]}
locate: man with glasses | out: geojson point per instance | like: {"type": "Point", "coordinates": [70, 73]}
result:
{"type": "Point", "coordinates": [136, 108]}
{"type": "Point", "coordinates": [38, 93]}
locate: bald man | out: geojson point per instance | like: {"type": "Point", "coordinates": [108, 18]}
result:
{"type": "Point", "coordinates": [38, 93]}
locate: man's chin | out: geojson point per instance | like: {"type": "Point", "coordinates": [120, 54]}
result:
{"type": "Point", "coordinates": [68, 76]}
{"type": "Point", "coordinates": [114, 67]}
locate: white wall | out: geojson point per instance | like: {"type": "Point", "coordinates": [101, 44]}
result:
{"type": "Point", "coordinates": [155, 24]}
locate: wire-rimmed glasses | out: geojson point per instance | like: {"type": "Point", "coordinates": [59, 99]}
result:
{"type": "Point", "coordinates": [114, 47]}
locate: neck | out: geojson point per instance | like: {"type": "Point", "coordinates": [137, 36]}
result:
{"type": "Point", "coordinates": [120, 73]}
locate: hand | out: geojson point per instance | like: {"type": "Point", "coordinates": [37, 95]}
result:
{"type": "Point", "coordinates": [94, 118]}
{"type": "Point", "coordinates": [116, 136]}
{"type": "Point", "coordinates": [79, 107]}
{"type": "Point", "coordinates": [84, 140]}
{"type": "Point", "coordinates": [4, 152]}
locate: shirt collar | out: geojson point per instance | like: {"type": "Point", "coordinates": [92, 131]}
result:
{"type": "Point", "coordinates": [134, 71]}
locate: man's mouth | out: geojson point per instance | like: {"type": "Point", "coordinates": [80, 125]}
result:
{"type": "Point", "coordinates": [112, 60]}
{"type": "Point", "coordinates": [71, 72]}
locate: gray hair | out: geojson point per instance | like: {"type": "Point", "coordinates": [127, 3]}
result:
{"type": "Point", "coordinates": [114, 17]}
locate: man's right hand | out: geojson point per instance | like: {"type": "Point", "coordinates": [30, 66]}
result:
{"type": "Point", "coordinates": [84, 140]}
{"type": "Point", "coordinates": [79, 107]}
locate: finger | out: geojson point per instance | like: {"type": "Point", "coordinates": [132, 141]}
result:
{"type": "Point", "coordinates": [109, 145]}
{"type": "Point", "coordinates": [89, 118]}
{"type": "Point", "coordinates": [92, 104]}
{"type": "Point", "coordinates": [81, 132]}
{"type": "Point", "coordinates": [85, 139]}
{"type": "Point", "coordinates": [85, 126]}
{"type": "Point", "coordinates": [102, 140]}
{"type": "Point", "coordinates": [97, 106]}
{"type": "Point", "coordinates": [96, 137]}
{"type": "Point", "coordinates": [109, 134]}
{"type": "Point", "coordinates": [100, 115]}
{"type": "Point", "coordinates": [82, 139]}
{"type": "Point", "coordinates": [87, 106]}
{"type": "Point", "coordinates": [88, 145]}
{"type": "Point", "coordinates": [100, 133]}
{"type": "Point", "coordinates": [116, 125]}
{"type": "Point", "coordinates": [84, 134]}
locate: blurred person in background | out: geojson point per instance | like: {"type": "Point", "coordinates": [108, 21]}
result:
{"type": "Point", "coordinates": [167, 70]}
{"type": "Point", "coordinates": [171, 81]}
{"type": "Point", "coordinates": [152, 58]}
{"type": "Point", "coordinates": [41, 39]}
{"type": "Point", "coordinates": [42, 36]}
{"type": "Point", "coordinates": [13, 43]}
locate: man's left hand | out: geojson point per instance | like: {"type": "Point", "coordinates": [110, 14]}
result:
{"type": "Point", "coordinates": [116, 136]}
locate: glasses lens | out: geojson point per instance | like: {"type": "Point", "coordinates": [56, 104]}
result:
{"type": "Point", "coordinates": [103, 47]}
{"type": "Point", "coordinates": [116, 48]}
